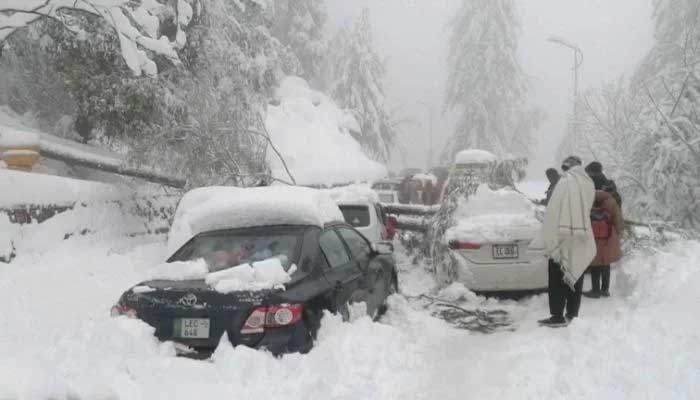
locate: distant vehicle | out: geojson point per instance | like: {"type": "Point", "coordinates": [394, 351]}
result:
{"type": "Point", "coordinates": [387, 190]}
{"type": "Point", "coordinates": [329, 265]}
{"type": "Point", "coordinates": [361, 209]}
{"type": "Point", "coordinates": [409, 172]}
{"type": "Point", "coordinates": [488, 249]}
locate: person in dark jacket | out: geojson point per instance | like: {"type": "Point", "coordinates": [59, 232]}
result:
{"type": "Point", "coordinates": [595, 171]}
{"type": "Point", "coordinates": [608, 249]}
{"type": "Point", "coordinates": [553, 177]}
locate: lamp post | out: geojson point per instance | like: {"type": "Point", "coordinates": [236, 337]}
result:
{"type": "Point", "coordinates": [578, 60]}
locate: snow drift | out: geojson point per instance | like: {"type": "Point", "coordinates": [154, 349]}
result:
{"type": "Point", "coordinates": [313, 135]}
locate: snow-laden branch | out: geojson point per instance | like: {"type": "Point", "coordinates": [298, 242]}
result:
{"type": "Point", "coordinates": [135, 23]}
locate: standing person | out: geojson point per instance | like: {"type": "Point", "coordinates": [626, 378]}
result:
{"type": "Point", "coordinates": [567, 239]}
{"type": "Point", "coordinates": [595, 171]}
{"type": "Point", "coordinates": [608, 225]}
{"type": "Point", "coordinates": [553, 177]}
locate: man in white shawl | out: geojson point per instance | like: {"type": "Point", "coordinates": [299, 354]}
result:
{"type": "Point", "coordinates": [567, 240]}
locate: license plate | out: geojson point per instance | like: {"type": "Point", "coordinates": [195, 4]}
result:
{"type": "Point", "coordinates": [505, 251]}
{"type": "Point", "coordinates": [192, 328]}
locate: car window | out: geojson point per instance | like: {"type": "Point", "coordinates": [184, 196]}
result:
{"type": "Point", "coordinates": [358, 245]}
{"type": "Point", "coordinates": [333, 249]}
{"type": "Point", "coordinates": [386, 197]}
{"type": "Point", "coordinates": [357, 216]}
{"type": "Point", "coordinates": [226, 249]}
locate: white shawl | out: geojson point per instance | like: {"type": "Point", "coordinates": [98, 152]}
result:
{"type": "Point", "coordinates": [566, 235]}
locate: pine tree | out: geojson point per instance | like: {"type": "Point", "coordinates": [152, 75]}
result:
{"type": "Point", "coordinates": [356, 82]}
{"type": "Point", "coordinates": [300, 25]}
{"type": "Point", "coordinates": [486, 85]}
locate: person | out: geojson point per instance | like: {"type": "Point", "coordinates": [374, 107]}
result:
{"type": "Point", "coordinates": [595, 171]}
{"type": "Point", "coordinates": [567, 240]}
{"type": "Point", "coordinates": [608, 226]}
{"type": "Point", "coordinates": [553, 177]}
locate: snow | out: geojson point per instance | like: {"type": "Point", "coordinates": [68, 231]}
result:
{"type": "Point", "coordinates": [34, 188]}
{"type": "Point", "coordinates": [494, 216]}
{"type": "Point", "coordinates": [266, 274]}
{"type": "Point", "coordinates": [58, 340]}
{"type": "Point", "coordinates": [215, 208]}
{"type": "Point", "coordinates": [12, 138]}
{"type": "Point", "coordinates": [425, 178]}
{"type": "Point", "coordinates": [313, 135]}
{"type": "Point", "coordinates": [180, 270]}
{"type": "Point", "coordinates": [354, 194]}
{"type": "Point", "coordinates": [474, 156]}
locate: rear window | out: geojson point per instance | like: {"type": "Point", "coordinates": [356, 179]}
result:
{"type": "Point", "coordinates": [386, 198]}
{"type": "Point", "coordinates": [222, 250]}
{"type": "Point", "coordinates": [357, 216]}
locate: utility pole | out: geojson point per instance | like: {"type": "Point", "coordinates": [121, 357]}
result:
{"type": "Point", "coordinates": [578, 60]}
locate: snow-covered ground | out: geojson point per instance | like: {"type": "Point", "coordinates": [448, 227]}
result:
{"type": "Point", "coordinates": [57, 340]}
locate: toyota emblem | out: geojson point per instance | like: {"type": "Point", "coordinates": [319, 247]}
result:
{"type": "Point", "coordinates": [188, 300]}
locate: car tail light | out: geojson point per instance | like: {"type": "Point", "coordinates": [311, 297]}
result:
{"type": "Point", "coordinates": [123, 310]}
{"type": "Point", "coordinates": [462, 245]}
{"type": "Point", "coordinates": [270, 317]}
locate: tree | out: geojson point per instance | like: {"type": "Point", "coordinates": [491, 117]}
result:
{"type": "Point", "coordinates": [356, 81]}
{"type": "Point", "coordinates": [137, 25]}
{"type": "Point", "coordinates": [300, 25]}
{"type": "Point", "coordinates": [486, 84]}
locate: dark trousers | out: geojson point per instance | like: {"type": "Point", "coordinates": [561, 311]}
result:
{"type": "Point", "coordinates": [560, 294]}
{"type": "Point", "coordinates": [598, 272]}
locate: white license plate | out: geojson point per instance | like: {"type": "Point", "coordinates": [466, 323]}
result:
{"type": "Point", "coordinates": [505, 251]}
{"type": "Point", "coordinates": [192, 328]}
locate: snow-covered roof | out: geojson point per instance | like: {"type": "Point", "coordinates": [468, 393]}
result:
{"type": "Point", "coordinates": [425, 178]}
{"type": "Point", "coordinates": [213, 208]}
{"type": "Point", "coordinates": [33, 188]}
{"type": "Point", "coordinates": [474, 156]}
{"type": "Point", "coordinates": [353, 194]}
{"type": "Point", "coordinates": [15, 138]}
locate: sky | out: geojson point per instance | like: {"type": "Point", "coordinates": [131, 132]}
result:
{"type": "Point", "coordinates": [412, 37]}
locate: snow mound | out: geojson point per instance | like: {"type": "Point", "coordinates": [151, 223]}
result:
{"type": "Point", "coordinates": [313, 135]}
{"type": "Point", "coordinates": [494, 216]}
{"type": "Point", "coordinates": [266, 274]}
{"type": "Point", "coordinates": [33, 188]}
{"type": "Point", "coordinates": [474, 156]}
{"type": "Point", "coordinates": [15, 138]}
{"type": "Point", "coordinates": [215, 208]}
{"type": "Point", "coordinates": [180, 270]}
{"type": "Point", "coordinates": [354, 194]}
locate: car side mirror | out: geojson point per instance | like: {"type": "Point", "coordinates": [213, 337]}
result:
{"type": "Point", "coordinates": [382, 248]}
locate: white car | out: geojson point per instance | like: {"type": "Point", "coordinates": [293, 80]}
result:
{"type": "Point", "coordinates": [387, 191]}
{"type": "Point", "coordinates": [367, 218]}
{"type": "Point", "coordinates": [485, 245]}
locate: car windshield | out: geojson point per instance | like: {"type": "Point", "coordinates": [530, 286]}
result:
{"type": "Point", "coordinates": [357, 216]}
{"type": "Point", "coordinates": [226, 249]}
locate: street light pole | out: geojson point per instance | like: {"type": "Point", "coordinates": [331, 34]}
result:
{"type": "Point", "coordinates": [578, 60]}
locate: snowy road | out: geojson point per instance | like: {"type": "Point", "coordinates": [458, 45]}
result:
{"type": "Point", "coordinates": [56, 340]}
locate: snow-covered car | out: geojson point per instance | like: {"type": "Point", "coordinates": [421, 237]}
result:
{"type": "Point", "coordinates": [361, 209]}
{"type": "Point", "coordinates": [484, 229]}
{"type": "Point", "coordinates": [258, 267]}
{"type": "Point", "coordinates": [387, 191]}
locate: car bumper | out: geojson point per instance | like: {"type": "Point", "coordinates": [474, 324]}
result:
{"type": "Point", "coordinates": [277, 341]}
{"type": "Point", "coordinates": [531, 276]}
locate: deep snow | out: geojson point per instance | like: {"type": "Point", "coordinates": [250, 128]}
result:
{"type": "Point", "coordinates": [58, 341]}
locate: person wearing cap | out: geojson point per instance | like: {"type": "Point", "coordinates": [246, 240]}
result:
{"type": "Point", "coordinates": [566, 238]}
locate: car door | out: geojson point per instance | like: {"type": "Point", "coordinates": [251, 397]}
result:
{"type": "Point", "coordinates": [375, 284]}
{"type": "Point", "coordinates": [343, 274]}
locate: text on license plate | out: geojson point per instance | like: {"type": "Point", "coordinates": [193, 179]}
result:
{"type": "Point", "coordinates": [192, 328]}
{"type": "Point", "coordinates": [505, 251]}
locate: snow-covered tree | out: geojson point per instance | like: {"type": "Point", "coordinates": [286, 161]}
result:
{"type": "Point", "coordinates": [355, 79]}
{"type": "Point", "coordinates": [300, 24]}
{"type": "Point", "coordinates": [646, 131]}
{"type": "Point", "coordinates": [137, 24]}
{"type": "Point", "coordinates": [486, 84]}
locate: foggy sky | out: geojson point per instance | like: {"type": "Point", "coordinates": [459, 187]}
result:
{"type": "Point", "coordinates": [412, 36]}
